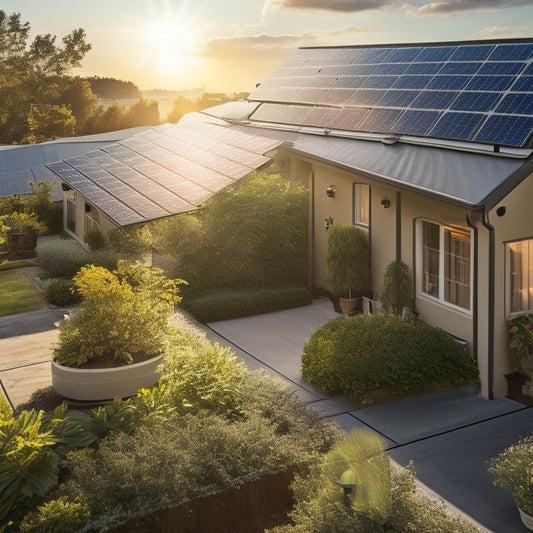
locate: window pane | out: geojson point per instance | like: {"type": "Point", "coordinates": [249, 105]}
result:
{"type": "Point", "coordinates": [362, 204]}
{"type": "Point", "coordinates": [71, 215]}
{"type": "Point", "coordinates": [521, 275]}
{"type": "Point", "coordinates": [457, 267]}
{"type": "Point", "coordinates": [430, 258]}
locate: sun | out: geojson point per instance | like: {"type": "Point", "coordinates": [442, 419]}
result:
{"type": "Point", "coordinates": [170, 44]}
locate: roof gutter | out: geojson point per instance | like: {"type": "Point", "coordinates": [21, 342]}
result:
{"type": "Point", "coordinates": [491, 297]}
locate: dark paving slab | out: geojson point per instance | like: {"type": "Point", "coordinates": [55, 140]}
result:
{"type": "Point", "coordinates": [31, 322]}
{"type": "Point", "coordinates": [455, 466]}
{"type": "Point", "coordinates": [423, 416]}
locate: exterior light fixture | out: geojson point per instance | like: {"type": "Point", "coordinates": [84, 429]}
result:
{"type": "Point", "coordinates": [346, 487]}
{"type": "Point", "coordinates": [385, 203]}
{"type": "Point", "coordinates": [330, 191]}
{"type": "Point", "coordinates": [327, 222]}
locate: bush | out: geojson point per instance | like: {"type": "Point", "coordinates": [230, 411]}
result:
{"type": "Point", "coordinates": [131, 243]}
{"type": "Point", "coordinates": [396, 293]}
{"type": "Point", "coordinates": [94, 240]}
{"type": "Point", "coordinates": [56, 516]}
{"type": "Point", "coordinates": [62, 258]}
{"type": "Point", "coordinates": [61, 292]}
{"type": "Point", "coordinates": [124, 314]}
{"type": "Point", "coordinates": [359, 356]}
{"type": "Point", "coordinates": [225, 304]}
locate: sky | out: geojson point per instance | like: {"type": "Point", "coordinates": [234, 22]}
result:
{"type": "Point", "coordinates": [231, 45]}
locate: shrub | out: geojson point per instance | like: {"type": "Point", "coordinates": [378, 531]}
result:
{"type": "Point", "coordinates": [361, 355]}
{"type": "Point", "coordinates": [513, 469]}
{"type": "Point", "coordinates": [228, 303]}
{"type": "Point", "coordinates": [94, 240]}
{"type": "Point", "coordinates": [131, 243]}
{"type": "Point", "coordinates": [396, 293]}
{"type": "Point", "coordinates": [61, 292]}
{"type": "Point", "coordinates": [321, 507]}
{"type": "Point", "coordinates": [56, 516]}
{"type": "Point", "coordinates": [124, 314]}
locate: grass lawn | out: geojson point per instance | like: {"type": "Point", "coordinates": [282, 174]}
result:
{"type": "Point", "coordinates": [17, 293]}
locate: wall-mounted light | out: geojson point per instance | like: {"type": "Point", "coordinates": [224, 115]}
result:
{"type": "Point", "coordinates": [327, 222]}
{"type": "Point", "coordinates": [501, 211]}
{"type": "Point", "coordinates": [87, 208]}
{"type": "Point", "coordinates": [330, 191]}
{"type": "Point", "coordinates": [65, 187]}
{"type": "Point", "coordinates": [385, 203]}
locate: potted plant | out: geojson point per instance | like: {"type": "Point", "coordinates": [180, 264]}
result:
{"type": "Point", "coordinates": [19, 232]}
{"type": "Point", "coordinates": [397, 290]}
{"type": "Point", "coordinates": [521, 348]}
{"type": "Point", "coordinates": [513, 469]}
{"type": "Point", "coordinates": [348, 261]}
{"type": "Point", "coordinates": [113, 344]}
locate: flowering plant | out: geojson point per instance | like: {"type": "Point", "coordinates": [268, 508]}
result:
{"type": "Point", "coordinates": [513, 469]}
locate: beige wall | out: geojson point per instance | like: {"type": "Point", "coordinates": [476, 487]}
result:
{"type": "Point", "coordinates": [105, 225]}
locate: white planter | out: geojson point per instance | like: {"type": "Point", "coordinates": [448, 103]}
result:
{"type": "Point", "coordinates": [526, 519]}
{"type": "Point", "coordinates": [104, 383]}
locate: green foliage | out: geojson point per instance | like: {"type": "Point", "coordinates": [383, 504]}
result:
{"type": "Point", "coordinates": [348, 260]}
{"type": "Point", "coordinates": [18, 293]}
{"type": "Point", "coordinates": [225, 304]}
{"type": "Point", "coordinates": [321, 507]}
{"type": "Point", "coordinates": [62, 258]}
{"type": "Point", "coordinates": [253, 234]}
{"type": "Point", "coordinates": [361, 355]}
{"type": "Point", "coordinates": [513, 470]}
{"type": "Point", "coordinates": [521, 334]}
{"type": "Point", "coordinates": [56, 516]}
{"type": "Point", "coordinates": [29, 467]}
{"type": "Point", "coordinates": [113, 88]}
{"type": "Point", "coordinates": [201, 376]}
{"type": "Point", "coordinates": [131, 243]}
{"type": "Point", "coordinates": [94, 240]}
{"type": "Point", "coordinates": [61, 292]}
{"type": "Point", "coordinates": [397, 290]}
{"type": "Point", "coordinates": [13, 265]}
{"type": "Point", "coordinates": [18, 222]}
{"type": "Point", "coordinates": [124, 313]}
{"type": "Point", "coordinates": [49, 122]}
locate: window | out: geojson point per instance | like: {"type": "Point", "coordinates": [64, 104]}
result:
{"type": "Point", "coordinates": [361, 204]}
{"type": "Point", "coordinates": [71, 215]}
{"type": "Point", "coordinates": [91, 224]}
{"type": "Point", "coordinates": [520, 256]}
{"type": "Point", "coordinates": [445, 264]}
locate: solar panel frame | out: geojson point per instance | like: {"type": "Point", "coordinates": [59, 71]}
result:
{"type": "Point", "coordinates": [458, 126]}
{"type": "Point", "coordinates": [415, 122]}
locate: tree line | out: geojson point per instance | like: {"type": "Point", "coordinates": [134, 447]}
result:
{"type": "Point", "coordinates": [40, 99]}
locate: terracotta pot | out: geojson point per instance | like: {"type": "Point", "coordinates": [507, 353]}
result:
{"type": "Point", "coordinates": [349, 305]}
{"type": "Point", "coordinates": [104, 383]}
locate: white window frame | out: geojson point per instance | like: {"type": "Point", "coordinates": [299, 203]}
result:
{"type": "Point", "coordinates": [72, 209]}
{"type": "Point", "coordinates": [440, 298]}
{"type": "Point", "coordinates": [526, 265]}
{"type": "Point", "coordinates": [91, 224]}
{"type": "Point", "coordinates": [361, 214]}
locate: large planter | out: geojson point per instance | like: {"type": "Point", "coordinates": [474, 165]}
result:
{"type": "Point", "coordinates": [349, 306]}
{"type": "Point", "coordinates": [527, 520]}
{"type": "Point", "coordinates": [515, 382]}
{"type": "Point", "coordinates": [104, 383]}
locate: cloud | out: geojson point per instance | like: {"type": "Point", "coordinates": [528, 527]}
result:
{"type": "Point", "coordinates": [276, 47]}
{"type": "Point", "coordinates": [419, 8]}
{"type": "Point", "coordinates": [498, 32]}
{"type": "Point", "coordinates": [449, 7]}
{"type": "Point", "coordinates": [339, 6]}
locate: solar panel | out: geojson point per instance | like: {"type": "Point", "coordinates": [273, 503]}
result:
{"type": "Point", "coordinates": [415, 122]}
{"type": "Point", "coordinates": [505, 129]}
{"type": "Point", "coordinates": [489, 79]}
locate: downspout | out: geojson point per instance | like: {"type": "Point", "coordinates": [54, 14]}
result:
{"type": "Point", "coordinates": [492, 255]}
{"type": "Point", "coordinates": [398, 226]}
{"type": "Point", "coordinates": [475, 289]}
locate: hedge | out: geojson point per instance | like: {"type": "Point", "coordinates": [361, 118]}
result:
{"type": "Point", "coordinates": [228, 303]}
{"type": "Point", "coordinates": [359, 356]}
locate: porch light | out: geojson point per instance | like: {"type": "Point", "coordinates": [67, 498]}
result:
{"type": "Point", "coordinates": [385, 203]}
{"type": "Point", "coordinates": [330, 191]}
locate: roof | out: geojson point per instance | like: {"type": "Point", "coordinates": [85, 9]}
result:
{"type": "Point", "coordinates": [20, 164]}
{"type": "Point", "coordinates": [166, 170]}
{"type": "Point", "coordinates": [474, 92]}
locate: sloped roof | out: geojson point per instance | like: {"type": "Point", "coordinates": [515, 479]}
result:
{"type": "Point", "coordinates": [20, 164]}
{"type": "Point", "coordinates": [166, 170]}
{"type": "Point", "coordinates": [473, 92]}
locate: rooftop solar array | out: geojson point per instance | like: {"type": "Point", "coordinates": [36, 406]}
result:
{"type": "Point", "coordinates": [164, 171]}
{"type": "Point", "coordinates": [473, 92]}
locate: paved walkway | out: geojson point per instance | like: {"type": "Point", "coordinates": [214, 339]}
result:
{"type": "Point", "coordinates": [450, 435]}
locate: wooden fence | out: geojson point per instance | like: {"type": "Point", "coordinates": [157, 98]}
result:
{"type": "Point", "coordinates": [254, 506]}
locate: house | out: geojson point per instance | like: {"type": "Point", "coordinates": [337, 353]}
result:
{"type": "Point", "coordinates": [427, 147]}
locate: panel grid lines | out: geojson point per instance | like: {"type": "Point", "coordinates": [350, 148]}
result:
{"type": "Point", "coordinates": [453, 80]}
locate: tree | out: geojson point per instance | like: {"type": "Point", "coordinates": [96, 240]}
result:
{"type": "Point", "coordinates": [33, 73]}
{"type": "Point", "coordinates": [50, 122]}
